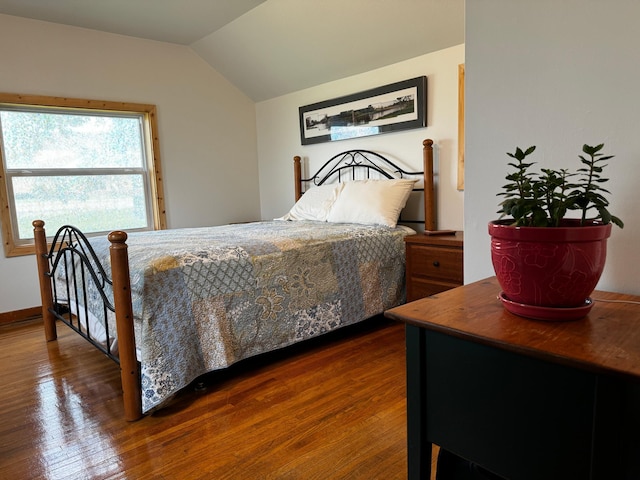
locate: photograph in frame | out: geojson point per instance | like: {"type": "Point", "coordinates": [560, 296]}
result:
{"type": "Point", "coordinates": [390, 108]}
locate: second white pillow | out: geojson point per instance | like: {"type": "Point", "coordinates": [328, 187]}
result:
{"type": "Point", "coordinates": [371, 202]}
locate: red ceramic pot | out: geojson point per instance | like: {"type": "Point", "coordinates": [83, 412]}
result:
{"type": "Point", "coordinates": [555, 267]}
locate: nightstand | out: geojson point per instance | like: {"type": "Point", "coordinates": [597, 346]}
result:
{"type": "Point", "coordinates": [434, 264]}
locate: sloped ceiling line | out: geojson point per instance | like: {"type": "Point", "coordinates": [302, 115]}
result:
{"type": "Point", "coordinates": [268, 48]}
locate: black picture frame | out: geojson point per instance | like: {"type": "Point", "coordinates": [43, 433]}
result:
{"type": "Point", "coordinates": [399, 106]}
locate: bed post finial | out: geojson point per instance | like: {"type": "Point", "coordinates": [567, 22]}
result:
{"type": "Point", "coordinates": [297, 172]}
{"type": "Point", "coordinates": [129, 370]}
{"type": "Point", "coordinates": [46, 294]}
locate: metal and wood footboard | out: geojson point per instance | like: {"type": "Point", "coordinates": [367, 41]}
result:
{"type": "Point", "coordinates": [67, 270]}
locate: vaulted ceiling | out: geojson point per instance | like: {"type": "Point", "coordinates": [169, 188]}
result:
{"type": "Point", "coordinates": [269, 48]}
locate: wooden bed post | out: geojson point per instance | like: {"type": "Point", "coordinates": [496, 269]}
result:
{"type": "Point", "coordinates": [429, 191]}
{"type": "Point", "coordinates": [129, 370]}
{"type": "Point", "coordinates": [430, 204]}
{"type": "Point", "coordinates": [297, 172]}
{"type": "Point", "coordinates": [46, 294]}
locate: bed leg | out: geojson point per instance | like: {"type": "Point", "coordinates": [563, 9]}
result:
{"type": "Point", "coordinates": [46, 294]}
{"type": "Point", "coordinates": [129, 369]}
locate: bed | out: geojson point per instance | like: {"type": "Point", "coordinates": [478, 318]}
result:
{"type": "Point", "coordinates": [171, 305]}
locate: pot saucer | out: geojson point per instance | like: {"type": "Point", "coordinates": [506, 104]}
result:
{"type": "Point", "coordinates": [535, 312]}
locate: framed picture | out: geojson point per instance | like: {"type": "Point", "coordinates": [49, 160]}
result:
{"type": "Point", "coordinates": [390, 108]}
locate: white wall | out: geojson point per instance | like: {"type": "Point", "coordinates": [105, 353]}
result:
{"type": "Point", "coordinates": [556, 75]}
{"type": "Point", "coordinates": [279, 133]}
{"type": "Point", "coordinates": [206, 126]}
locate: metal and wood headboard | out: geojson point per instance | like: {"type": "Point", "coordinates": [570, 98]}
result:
{"type": "Point", "coordinates": [347, 163]}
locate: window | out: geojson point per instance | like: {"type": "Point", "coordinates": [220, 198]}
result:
{"type": "Point", "coordinates": [91, 164]}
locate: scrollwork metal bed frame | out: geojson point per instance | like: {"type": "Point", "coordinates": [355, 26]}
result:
{"type": "Point", "coordinates": [71, 250]}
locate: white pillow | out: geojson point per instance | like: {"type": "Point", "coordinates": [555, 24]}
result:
{"type": "Point", "coordinates": [371, 202]}
{"type": "Point", "coordinates": [315, 204]}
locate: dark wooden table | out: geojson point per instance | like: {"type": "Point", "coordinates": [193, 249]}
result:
{"type": "Point", "coordinates": [525, 399]}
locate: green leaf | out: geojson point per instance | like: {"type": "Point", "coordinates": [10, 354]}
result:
{"type": "Point", "coordinates": [604, 215]}
{"type": "Point", "coordinates": [615, 220]}
{"type": "Point", "coordinates": [592, 150]}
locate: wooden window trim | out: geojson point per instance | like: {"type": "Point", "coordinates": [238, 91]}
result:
{"type": "Point", "coordinates": [152, 142]}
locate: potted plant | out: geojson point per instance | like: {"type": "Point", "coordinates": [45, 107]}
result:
{"type": "Point", "coordinates": [550, 253]}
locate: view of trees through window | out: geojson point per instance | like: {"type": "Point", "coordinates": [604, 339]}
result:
{"type": "Point", "coordinates": [67, 166]}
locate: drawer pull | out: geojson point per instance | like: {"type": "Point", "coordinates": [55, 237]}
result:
{"type": "Point", "coordinates": [436, 263]}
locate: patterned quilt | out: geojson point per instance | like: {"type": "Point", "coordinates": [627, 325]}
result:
{"type": "Point", "coordinates": [205, 298]}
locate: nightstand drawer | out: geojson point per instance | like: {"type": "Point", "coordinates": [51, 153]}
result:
{"type": "Point", "coordinates": [434, 264]}
{"type": "Point", "coordinates": [441, 263]}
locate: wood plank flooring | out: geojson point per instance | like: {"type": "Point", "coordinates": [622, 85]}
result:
{"type": "Point", "coordinates": [328, 409]}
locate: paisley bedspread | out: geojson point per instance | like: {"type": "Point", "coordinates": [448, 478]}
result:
{"type": "Point", "coordinates": [205, 298]}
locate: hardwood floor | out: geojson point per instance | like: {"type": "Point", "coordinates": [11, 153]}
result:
{"type": "Point", "coordinates": [328, 409]}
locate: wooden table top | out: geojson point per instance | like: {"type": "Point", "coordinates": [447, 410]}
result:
{"type": "Point", "coordinates": [607, 340]}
